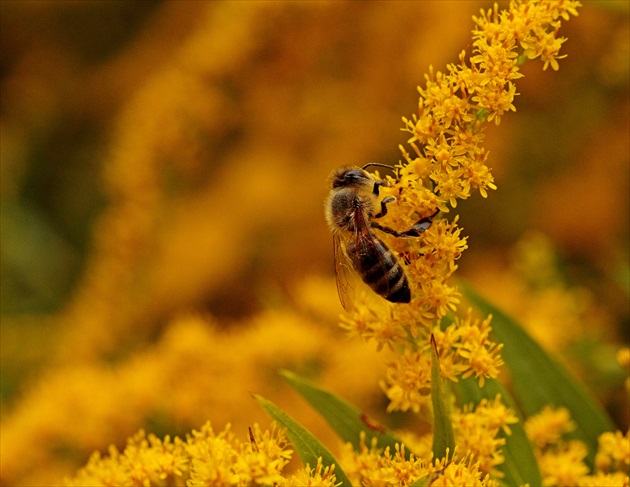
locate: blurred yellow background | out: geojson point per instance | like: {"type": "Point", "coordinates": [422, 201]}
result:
{"type": "Point", "coordinates": [162, 160]}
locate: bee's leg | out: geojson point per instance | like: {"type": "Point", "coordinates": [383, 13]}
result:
{"type": "Point", "coordinates": [391, 231]}
{"type": "Point", "coordinates": [418, 228]}
{"type": "Point", "coordinates": [378, 184]}
{"type": "Point", "coordinates": [381, 182]}
{"type": "Point", "coordinates": [422, 225]}
{"type": "Point", "coordinates": [384, 204]}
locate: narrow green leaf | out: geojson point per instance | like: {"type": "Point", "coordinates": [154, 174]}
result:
{"type": "Point", "coordinates": [307, 446]}
{"type": "Point", "coordinates": [423, 481]}
{"type": "Point", "coordinates": [538, 380]}
{"type": "Point", "coordinates": [443, 435]}
{"type": "Point", "coordinates": [520, 465]}
{"type": "Point", "coordinates": [344, 418]}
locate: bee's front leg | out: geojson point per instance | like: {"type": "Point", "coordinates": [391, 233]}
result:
{"type": "Point", "coordinates": [421, 225]}
{"type": "Point", "coordinates": [378, 184]}
{"type": "Point", "coordinates": [384, 204]}
{"type": "Point", "coordinates": [418, 228]}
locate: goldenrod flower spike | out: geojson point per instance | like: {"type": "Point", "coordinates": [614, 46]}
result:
{"type": "Point", "coordinates": [446, 163]}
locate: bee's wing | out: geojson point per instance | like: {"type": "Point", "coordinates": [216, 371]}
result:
{"type": "Point", "coordinates": [343, 273]}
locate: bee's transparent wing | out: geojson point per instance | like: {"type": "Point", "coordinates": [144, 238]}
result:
{"type": "Point", "coordinates": [367, 244]}
{"type": "Point", "coordinates": [344, 273]}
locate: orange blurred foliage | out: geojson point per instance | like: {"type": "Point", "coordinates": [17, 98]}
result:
{"type": "Point", "coordinates": [171, 157]}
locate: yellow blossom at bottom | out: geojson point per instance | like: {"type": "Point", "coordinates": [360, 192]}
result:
{"type": "Point", "coordinates": [378, 467]}
{"type": "Point", "coordinates": [463, 472]}
{"type": "Point", "coordinates": [374, 466]}
{"type": "Point", "coordinates": [206, 458]}
{"type": "Point", "coordinates": [319, 476]}
{"type": "Point", "coordinates": [146, 460]}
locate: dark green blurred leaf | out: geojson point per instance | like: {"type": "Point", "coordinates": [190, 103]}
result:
{"type": "Point", "coordinates": [443, 435]}
{"type": "Point", "coordinates": [37, 264]}
{"type": "Point", "coordinates": [307, 446]}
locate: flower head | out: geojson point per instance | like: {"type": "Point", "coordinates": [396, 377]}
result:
{"type": "Point", "coordinates": [548, 426]}
{"type": "Point", "coordinates": [477, 431]}
{"type": "Point", "coordinates": [319, 476]}
{"type": "Point", "coordinates": [205, 458]}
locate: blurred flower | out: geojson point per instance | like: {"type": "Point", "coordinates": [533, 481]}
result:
{"type": "Point", "coordinates": [548, 426]}
{"type": "Point", "coordinates": [564, 465]}
{"type": "Point", "coordinates": [196, 370]}
{"type": "Point", "coordinates": [614, 452]}
{"type": "Point", "coordinates": [562, 462]}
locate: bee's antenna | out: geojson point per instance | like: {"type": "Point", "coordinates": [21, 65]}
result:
{"type": "Point", "coordinates": [391, 168]}
{"type": "Point", "coordinates": [376, 164]}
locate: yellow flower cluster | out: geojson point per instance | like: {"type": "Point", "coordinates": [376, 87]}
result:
{"type": "Point", "coordinates": [223, 459]}
{"type": "Point", "coordinates": [614, 452]}
{"type": "Point", "coordinates": [408, 381]}
{"type": "Point", "coordinates": [466, 471]}
{"type": "Point", "coordinates": [375, 466]}
{"type": "Point", "coordinates": [548, 426]}
{"type": "Point", "coordinates": [446, 164]}
{"type": "Point", "coordinates": [209, 458]}
{"type": "Point", "coordinates": [477, 431]}
{"type": "Point", "coordinates": [204, 459]}
{"type": "Point", "coordinates": [447, 133]}
{"type": "Point", "coordinates": [319, 476]}
{"type": "Point", "coordinates": [562, 462]}
{"type": "Point", "coordinates": [472, 353]}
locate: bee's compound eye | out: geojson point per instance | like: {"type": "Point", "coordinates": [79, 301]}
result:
{"type": "Point", "coordinates": [350, 177]}
{"type": "Point", "coordinates": [355, 175]}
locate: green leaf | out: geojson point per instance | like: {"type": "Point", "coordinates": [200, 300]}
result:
{"type": "Point", "coordinates": [344, 418]}
{"type": "Point", "coordinates": [520, 465]}
{"type": "Point", "coordinates": [307, 446]}
{"type": "Point", "coordinates": [538, 380]}
{"type": "Point", "coordinates": [423, 481]}
{"type": "Point", "coordinates": [443, 435]}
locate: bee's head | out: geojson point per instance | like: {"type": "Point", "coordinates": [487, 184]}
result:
{"type": "Point", "coordinates": [350, 176]}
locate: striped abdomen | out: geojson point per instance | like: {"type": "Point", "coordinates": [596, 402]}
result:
{"type": "Point", "coordinates": [379, 269]}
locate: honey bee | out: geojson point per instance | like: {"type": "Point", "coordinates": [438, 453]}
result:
{"type": "Point", "coordinates": [351, 213]}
